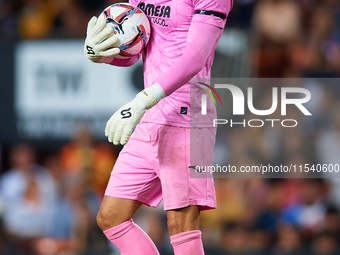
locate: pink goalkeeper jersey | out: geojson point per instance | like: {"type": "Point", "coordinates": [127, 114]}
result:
{"type": "Point", "coordinates": [170, 22]}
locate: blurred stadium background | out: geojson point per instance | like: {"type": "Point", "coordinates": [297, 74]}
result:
{"type": "Point", "coordinates": [55, 161]}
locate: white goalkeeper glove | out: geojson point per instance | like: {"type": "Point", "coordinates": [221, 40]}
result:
{"type": "Point", "coordinates": [121, 124]}
{"type": "Point", "coordinates": [100, 42]}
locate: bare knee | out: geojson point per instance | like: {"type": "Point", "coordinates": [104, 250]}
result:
{"type": "Point", "coordinates": [106, 221]}
{"type": "Point", "coordinates": [115, 211]}
{"type": "Point", "coordinates": [174, 224]}
{"type": "Point", "coordinates": [183, 220]}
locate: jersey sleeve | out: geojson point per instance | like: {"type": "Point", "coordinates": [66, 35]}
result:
{"type": "Point", "coordinates": [213, 12]}
{"type": "Point", "coordinates": [194, 57]}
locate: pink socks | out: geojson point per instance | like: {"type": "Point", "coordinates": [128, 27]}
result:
{"type": "Point", "coordinates": [131, 239]}
{"type": "Point", "coordinates": [187, 243]}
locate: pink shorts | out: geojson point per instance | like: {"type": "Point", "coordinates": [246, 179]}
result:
{"type": "Point", "coordinates": [155, 165]}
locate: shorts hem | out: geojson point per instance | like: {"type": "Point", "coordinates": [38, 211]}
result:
{"type": "Point", "coordinates": [204, 205]}
{"type": "Point", "coordinates": [133, 197]}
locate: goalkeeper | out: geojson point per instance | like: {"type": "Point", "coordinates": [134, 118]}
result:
{"type": "Point", "coordinates": [154, 164]}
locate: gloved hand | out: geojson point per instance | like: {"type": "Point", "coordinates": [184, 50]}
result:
{"type": "Point", "coordinates": [100, 42]}
{"type": "Point", "coordinates": [121, 124]}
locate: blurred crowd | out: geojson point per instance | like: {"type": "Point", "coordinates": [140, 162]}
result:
{"type": "Point", "coordinates": [290, 38]}
{"type": "Point", "coordinates": [39, 19]}
{"type": "Point", "coordinates": [48, 205]}
{"type": "Point", "coordinates": [50, 208]}
{"type": "Point", "coordinates": [292, 213]}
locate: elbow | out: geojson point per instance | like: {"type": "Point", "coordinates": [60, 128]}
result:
{"type": "Point", "coordinates": [200, 66]}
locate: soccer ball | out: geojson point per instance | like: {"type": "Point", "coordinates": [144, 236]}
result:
{"type": "Point", "coordinates": [131, 26]}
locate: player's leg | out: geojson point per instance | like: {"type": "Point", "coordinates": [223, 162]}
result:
{"type": "Point", "coordinates": [183, 225]}
{"type": "Point", "coordinates": [133, 182]}
{"type": "Point", "coordinates": [114, 218]}
{"type": "Point", "coordinates": [186, 192]}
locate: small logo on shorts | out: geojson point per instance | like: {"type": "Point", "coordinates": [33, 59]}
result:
{"type": "Point", "coordinates": [184, 110]}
